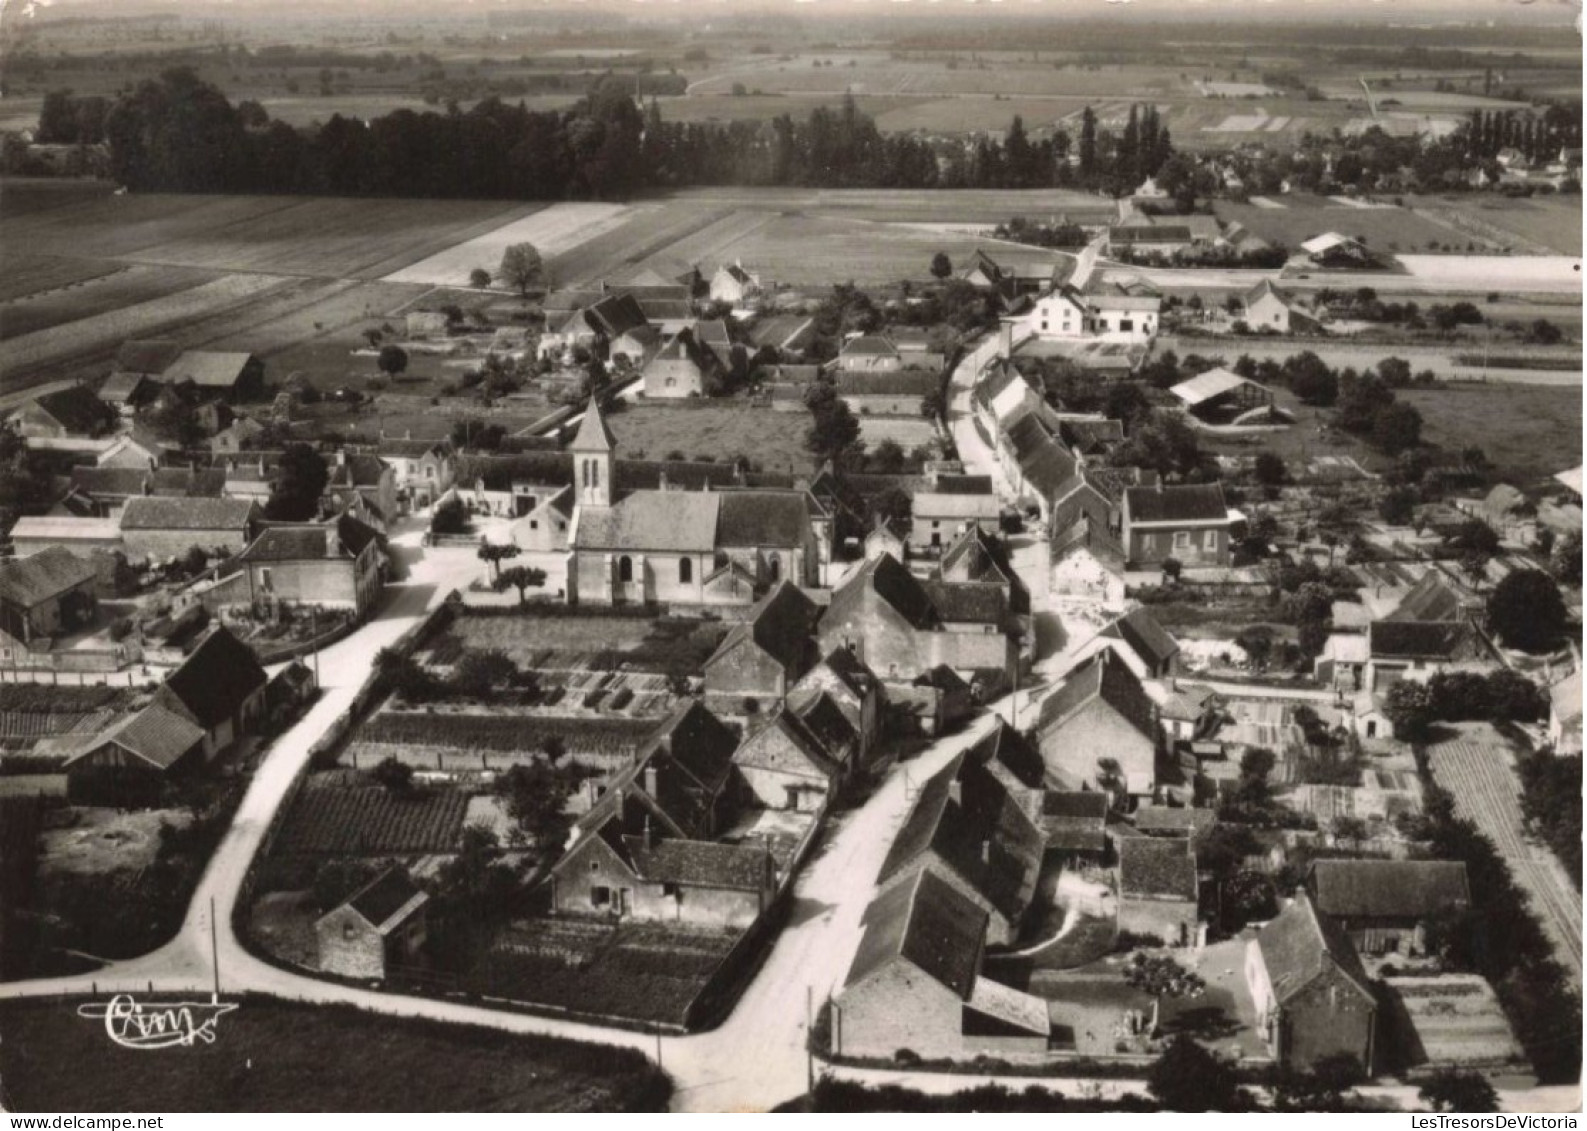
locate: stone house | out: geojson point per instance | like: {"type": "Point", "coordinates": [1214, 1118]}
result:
{"type": "Point", "coordinates": [381, 925]}
{"type": "Point", "coordinates": [546, 526]}
{"type": "Point", "coordinates": [335, 565]}
{"type": "Point", "coordinates": [136, 447]}
{"type": "Point", "coordinates": [885, 537]}
{"type": "Point", "coordinates": [220, 687]}
{"type": "Point", "coordinates": [732, 284]}
{"type": "Point", "coordinates": [1100, 712]}
{"type": "Point", "coordinates": [915, 983]}
{"type": "Point", "coordinates": [681, 368]}
{"type": "Point", "coordinates": [870, 353]}
{"type": "Point", "coordinates": [978, 839]}
{"type": "Point", "coordinates": [1158, 888]}
{"type": "Point", "coordinates": [235, 376]}
{"type": "Point", "coordinates": [855, 690]}
{"type": "Point", "coordinates": [1313, 998]}
{"type": "Point", "coordinates": [1058, 314]}
{"type": "Point", "coordinates": [1265, 308]}
{"type": "Point", "coordinates": [1188, 522]}
{"type": "Point", "coordinates": [155, 742]}
{"type": "Point", "coordinates": [761, 658]}
{"type": "Point", "coordinates": [45, 595]}
{"type": "Point", "coordinates": [946, 506]}
{"type": "Point", "coordinates": [157, 528]}
{"type": "Point", "coordinates": [125, 393]}
{"type": "Point", "coordinates": [982, 557]}
{"type": "Point", "coordinates": [1074, 823]}
{"type": "Point", "coordinates": [886, 392]}
{"type": "Point", "coordinates": [70, 413]}
{"type": "Point", "coordinates": [1417, 650]}
{"type": "Point", "coordinates": [1142, 643]}
{"type": "Point", "coordinates": [422, 470]}
{"type": "Point", "coordinates": [1386, 906]}
{"type": "Point", "coordinates": [1014, 763]}
{"type": "Point", "coordinates": [785, 765]}
{"type": "Point", "coordinates": [900, 626]}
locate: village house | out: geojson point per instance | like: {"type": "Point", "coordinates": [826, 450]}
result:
{"type": "Point", "coordinates": [128, 759]}
{"type": "Point", "coordinates": [331, 565]}
{"type": "Point", "coordinates": [1387, 906]}
{"type": "Point", "coordinates": [869, 353]}
{"type": "Point", "coordinates": [855, 690]}
{"type": "Point", "coordinates": [732, 284]}
{"type": "Point", "coordinates": [762, 657]}
{"type": "Point", "coordinates": [1014, 763]}
{"type": "Point", "coordinates": [980, 556]}
{"type": "Point", "coordinates": [1087, 564]}
{"type": "Point", "coordinates": [683, 367]}
{"type": "Point", "coordinates": [83, 536]}
{"type": "Point", "coordinates": [1188, 522]}
{"type": "Point", "coordinates": [109, 488]}
{"type": "Point", "coordinates": [689, 547]}
{"type": "Point", "coordinates": [900, 626]}
{"type": "Point", "coordinates": [946, 505]}
{"type": "Point", "coordinates": [990, 851]}
{"type": "Point", "coordinates": [784, 764]}
{"type": "Point", "coordinates": [1265, 310]}
{"type": "Point", "coordinates": [220, 687]}
{"type": "Point", "coordinates": [47, 594]}
{"type": "Point", "coordinates": [1148, 239]}
{"type": "Point", "coordinates": [915, 983]}
{"type": "Point", "coordinates": [1141, 643]}
{"type": "Point", "coordinates": [136, 447]}
{"type": "Point", "coordinates": [126, 393]}
{"type": "Point", "coordinates": [886, 536]}
{"type": "Point", "coordinates": [234, 376]}
{"type": "Point", "coordinates": [380, 928]}
{"type": "Point", "coordinates": [158, 528]}
{"type": "Point", "coordinates": [1177, 821]}
{"type": "Point", "coordinates": [1417, 650]}
{"type": "Point", "coordinates": [363, 481]}
{"type": "Point", "coordinates": [72, 413]}
{"type": "Point", "coordinates": [1074, 823]}
{"type": "Point", "coordinates": [140, 364]}
{"type": "Point", "coordinates": [886, 391]}
{"type": "Point", "coordinates": [1313, 998]}
{"type": "Point", "coordinates": [1100, 713]}
{"type": "Point", "coordinates": [544, 527]}
{"type": "Point", "coordinates": [1158, 888]}
{"type": "Point", "coordinates": [789, 334]}
{"type": "Point", "coordinates": [422, 470]}
{"type": "Point", "coordinates": [240, 436]}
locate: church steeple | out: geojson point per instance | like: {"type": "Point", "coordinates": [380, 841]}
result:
{"type": "Point", "coordinates": [594, 451]}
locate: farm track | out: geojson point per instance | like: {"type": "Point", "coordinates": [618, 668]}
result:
{"type": "Point", "coordinates": [1486, 792]}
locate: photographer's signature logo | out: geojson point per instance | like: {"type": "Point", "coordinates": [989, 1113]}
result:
{"type": "Point", "coordinates": [162, 1025]}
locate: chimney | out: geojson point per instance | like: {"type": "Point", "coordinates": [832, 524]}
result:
{"type": "Point", "coordinates": [1005, 340]}
{"type": "Point", "coordinates": [650, 780]}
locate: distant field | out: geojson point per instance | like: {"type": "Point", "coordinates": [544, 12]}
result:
{"type": "Point", "coordinates": [551, 230]}
{"type": "Point", "coordinates": [1553, 222]}
{"type": "Point", "coordinates": [1529, 431]}
{"type": "Point", "coordinates": [774, 440]}
{"type": "Point", "coordinates": [33, 274]}
{"type": "Point", "coordinates": [879, 74]}
{"type": "Point", "coordinates": [1302, 217]}
{"type": "Point", "coordinates": [115, 290]}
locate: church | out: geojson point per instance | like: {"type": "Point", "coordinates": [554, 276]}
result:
{"type": "Point", "coordinates": [724, 546]}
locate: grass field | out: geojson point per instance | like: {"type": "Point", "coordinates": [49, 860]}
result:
{"type": "Point", "coordinates": [1383, 229]}
{"type": "Point", "coordinates": [774, 440]}
{"type": "Point", "coordinates": [270, 1055]}
{"type": "Point", "coordinates": [1529, 431]}
{"type": "Point", "coordinates": [1552, 223]}
{"type": "Point", "coordinates": [115, 290]}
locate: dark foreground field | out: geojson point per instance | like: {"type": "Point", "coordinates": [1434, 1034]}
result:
{"type": "Point", "coordinates": [269, 1055]}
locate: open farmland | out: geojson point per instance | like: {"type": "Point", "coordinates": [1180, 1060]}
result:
{"type": "Point", "coordinates": [720, 431]}
{"type": "Point", "coordinates": [370, 820]}
{"type": "Point", "coordinates": [34, 275]}
{"type": "Point", "coordinates": [1539, 223]}
{"type": "Point", "coordinates": [1528, 431]}
{"type": "Point", "coordinates": [110, 292]}
{"type": "Point", "coordinates": [1383, 229]}
{"type": "Point", "coordinates": [551, 230]}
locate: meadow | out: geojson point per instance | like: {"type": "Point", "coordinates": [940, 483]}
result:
{"type": "Point", "coordinates": [1530, 432]}
{"type": "Point", "coordinates": [1302, 216]}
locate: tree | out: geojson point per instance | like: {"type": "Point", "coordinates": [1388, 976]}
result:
{"type": "Point", "coordinates": [1409, 706]}
{"type": "Point", "coordinates": [1257, 641]}
{"type": "Point", "coordinates": [450, 517]}
{"type": "Point", "coordinates": [941, 265]}
{"type": "Point", "coordinates": [1398, 506]}
{"type": "Point", "coordinates": [1474, 537]}
{"type": "Point", "coordinates": [392, 360]}
{"type": "Point", "coordinates": [301, 477]}
{"type": "Point", "coordinates": [1322, 1089]}
{"type": "Point", "coordinates": [1256, 766]}
{"type": "Point", "coordinates": [1160, 976]}
{"type": "Point", "coordinates": [1186, 1077]}
{"type": "Point", "coordinates": [494, 553]}
{"type": "Point", "coordinates": [396, 776]}
{"type": "Point", "coordinates": [521, 578]}
{"type": "Point", "coordinates": [535, 796]}
{"type": "Point", "coordinates": [1270, 469]}
{"type": "Point", "coordinates": [521, 268]}
{"type": "Point", "coordinates": [1397, 428]}
{"type": "Point", "coordinates": [888, 458]}
{"type": "Point", "coordinates": [479, 278]}
{"type": "Point", "coordinates": [481, 670]}
{"type": "Point", "coordinates": [834, 432]}
{"type": "Point", "coordinates": [1526, 611]}
{"type": "Point", "coordinates": [1450, 1089]}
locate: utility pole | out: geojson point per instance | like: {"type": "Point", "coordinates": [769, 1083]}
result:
{"type": "Point", "coordinates": [810, 1054]}
{"type": "Point", "coordinates": [214, 950]}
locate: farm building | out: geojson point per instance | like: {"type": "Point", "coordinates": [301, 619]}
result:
{"type": "Point", "coordinates": [1100, 712]}
{"type": "Point", "coordinates": [380, 926]}
{"type": "Point", "coordinates": [1416, 650]}
{"type": "Point", "coordinates": [134, 448]}
{"type": "Point", "coordinates": [82, 536]}
{"type": "Point", "coordinates": [1011, 272]}
{"type": "Point", "coordinates": [764, 656]}
{"type": "Point", "coordinates": [946, 506]}
{"type": "Point", "coordinates": [1313, 998]}
{"type": "Point", "coordinates": [1075, 824]}
{"type": "Point", "coordinates": [1148, 239]}
{"type": "Point", "coordinates": [66, 414]}
{"type": "Point", "coordinates": [1265, 310]}
{"type": "Point", "coordinates": [1187, 522]}
{"type": "Point", "coordinates": [159, 528]}
{"type": "Point", "coordinates": [423, 470]}
{"type": "Point", "coordinates": [1386, 906]}
{"type": "Point", "coordinates": [334, 565]}
{"type": "Point", "coordinates": [44, 595]}
{"type": "Point", "coordinates": [1219, 396]}
{"type": "Point", "coordinates": [148, 358]}
{"type": "Point", "coordinates": [1142, 643]}
{"type": "Point", "coordinates": [125, 393]}
{"type": "Point", "coordinates": [785, 333]}
{"type": "Point", "coordinates": [682, 368]}
{"type": "Point", "coordinates": [1182, 822]}
{"type": "Point", "coordinates": [1158, 888]}
{"type": "Point", "coordinates": [886, 392]}
{"type": "Point", "coordinates": [977, 838]}
{"type": "Point", "coordinates": [220, 687]}
{"type": "Point", "coordinates": [978, 556]}
{"type": "Point", "coordinates": [241, 436]}
{"type": "Point", "coordinates": [111, 487]}
{"type": "Point", "coordinates": [155, 741]}
{"type": "Point", "coordinates": [732, 284]}
{"type": "Point", "coordinates": [785, 764]}
{"type": "Point", "coordinates": [235, 376]}
{"type": "Point", "coordinates": [1341, 252]}
{"type": "Point", "coordinates": [915, 982]}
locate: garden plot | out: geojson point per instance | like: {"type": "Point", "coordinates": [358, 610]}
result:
{"type": "Point", "coordinates": [907, 434]}
{"type": "Point", "coordinates": [554, 230]}
{"type": "Point", "coordinates": [331, 819]}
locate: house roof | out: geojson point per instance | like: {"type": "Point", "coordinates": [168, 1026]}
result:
{"type": "Point", "coordinates": [1157, 868]}
{"type": "Point", "coordinates": [1388, 889]}
{"type": "Point", "coordinates": [1111, 682]}
{"type": "Point", "coordinates": [36, 578]}
{"type": "Point", "coordinates": [1326, 242]}
{"type": "Point", "coordinates": [75, 407]}
{"type": "Point", "coordinates": [762, 518]}
{"type": "Point", "coordinates": [1432, 598]}
{"type": "Point", "coordinates": [1149, 233]}
{"type": "Point", "coordinates": [594, 434]}
{"type": "Point", "coordinates": [162, 512]}
{"type": "Point", "coordinates": [156, 734]}
{"type": "Point", "coordinates": [928, 924]}
{"type": "Point", "coordinates": [668, 521]}
{"type": "Point", "coordinates": [665, 309]}
{"type": "Point", "coordinates": [699, 863]}
{"type": "Point", "coordinates": [387, 901]}
{"type": "Point", "coordinates": [310, 541]}
{"type": "Point", "coordinates": [849, 670]}
{"type": "Point", "coordinates": [215, 680]}
{"type": "Point", "coordinates": [1186, 502]}
{"type": "Point", "coordinates": [825, 721]}
{"type": "Point", "coordinates": [1008, 748]}
{"type": "Point", "coordinates": [1145, 637]}
{"type": "Point", "coordinates": [887, 577]}
{"type": "Point", "coordinates": [781, 625]}
{"type": "Point", "coordinates": [150, 357]}
{"type": "Point", "coordinates": [694, 743]}
{"type": "Point", "coordinates": [50, 528]}
{"type": "Point", "coordinates": [1300, 945]}
{"type": "Point", "coordinates": [968, 602]}
{"type": "Point", "coordinates": [207, 369]}
{"type": "Point", "coordinates": [615, 314]}
{"type": "Point", "coordinates": [119, 388]}
{"type": "Point", "coordinates": [1262, 290]}
{"type": "Point", "coordinates": [1213, 383]}
{"type": "Point", "coordinates": [779, 331]}
{"type": "Point", "coordinates": [1167, 819]}
{"type": "Point", "coordinates": [886, 383]}
{"type": "Point", "coordinates": [868, 345]}
{"type": "Point", "coordinates": [414, 449]}
{"type": "Point", "coordinates": [1444, 640]}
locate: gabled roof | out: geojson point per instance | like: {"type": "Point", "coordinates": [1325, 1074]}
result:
{"type": "Point", "coordinates": [32, 580]}
{"type": "Point", "coordinates": [119, 388]}
{"type": "Point", "coordinates": [162, 512]}
{"type": "Point", "coordinates": [1300, 945]}
{"type": "Point", "coordinates": [615, 315]}
{"type": "Point", "coordinates": [1388, 889]}
{"type": "Point", "coordinates": [868, 345]}
{"type": "Point", "coordinates": [1185, 502]}
{"type": "Point", "coordinates": [698, 743]}
{"type": "Point", "coordinates": [699, 863]}
{"type": "Point", "coordinates": [968, 602]}
{"type": "Point", "coordinates": [886, 383]}
{"type": "Point", "coordinates": [1432, 598]}
{"type": "Point", "coordinates": [669, 521]}
{"type": "Point", "coordinates": [1145, 637]}
{"type": "Point", "coordinates": [1411, 640]}
{"type": "Point", "coordinates": [762, 518]}
{"type": "Point", "coordinates": [1157, 868]}
{"type": "Point", "coordinates": [594, 435]}
{"type": "Point", "coordinates": [768, 747]}
{"type": "Point", "coordinates": [1326, 242]}
{"type": "Point", "coordinates": [387, 901]}
{"type": "Point", "coordinates": [1111, 682]}
{"type": "Point", "coordinates": [1016, 754]}
{"type": "Point", "coordinates": [1167, 819]}
{"type": "Point", "coordinates": [1262, 290]}
{"type": "Point", "coordinates": [310, 541]}
{"type": "Point", "coordinates": [156, 734]}
{"type": "Point", "coordinates": [151, 356]}
{"type": "Point", "coordinates": [849, 670]}
{"type": "Point", "coordinates": [75, 408]}
{"type": "Point", "coordinates": [414, 449]}
{"type": "Point", "coordinates": [893, 584]}
{"type": "Point", "coordinates": [207, 369]}
{"type": "Point", "coordinates": [1204, 387]}
{"type": "Point", "coordinates": [214, 681]}
{"type": "Point", "coordinates": [825, 721]}
{"type": "Point", "coordinates": [1075, 821]}
{"type": "Point", "coordinates": [928, 924]}
{"type": "Point", "coordinates": [781, 625]}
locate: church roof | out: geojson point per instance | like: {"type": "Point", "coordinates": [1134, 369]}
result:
{"type": "Point", "coordinates": [594, 434]}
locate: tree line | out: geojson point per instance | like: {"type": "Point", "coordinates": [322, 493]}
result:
{"type": "Point", "coordinates": [179, 133]}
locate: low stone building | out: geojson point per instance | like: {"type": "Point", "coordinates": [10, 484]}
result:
{"type": "Point", "coordinates": [1100, 713]}
{"type": "Point", "coordinates": [1157, 888]}
{"type": "Point", "coordinates": [45, 595]}
{"type": "Point", "coordinates": [334, 565]}
{"type": "Point", "coordinates": [382, 925]}
{"type": "Point", "coordinates": [158, 528]}
{"type": "Point", "coordinates": [220, 687]}
{"type": "Point", "coordinates": [1387, 906]}
{"type": "Point", "coordinates": [1186, 522]}
{"type": "Point", "coordinates": [760, 660]}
